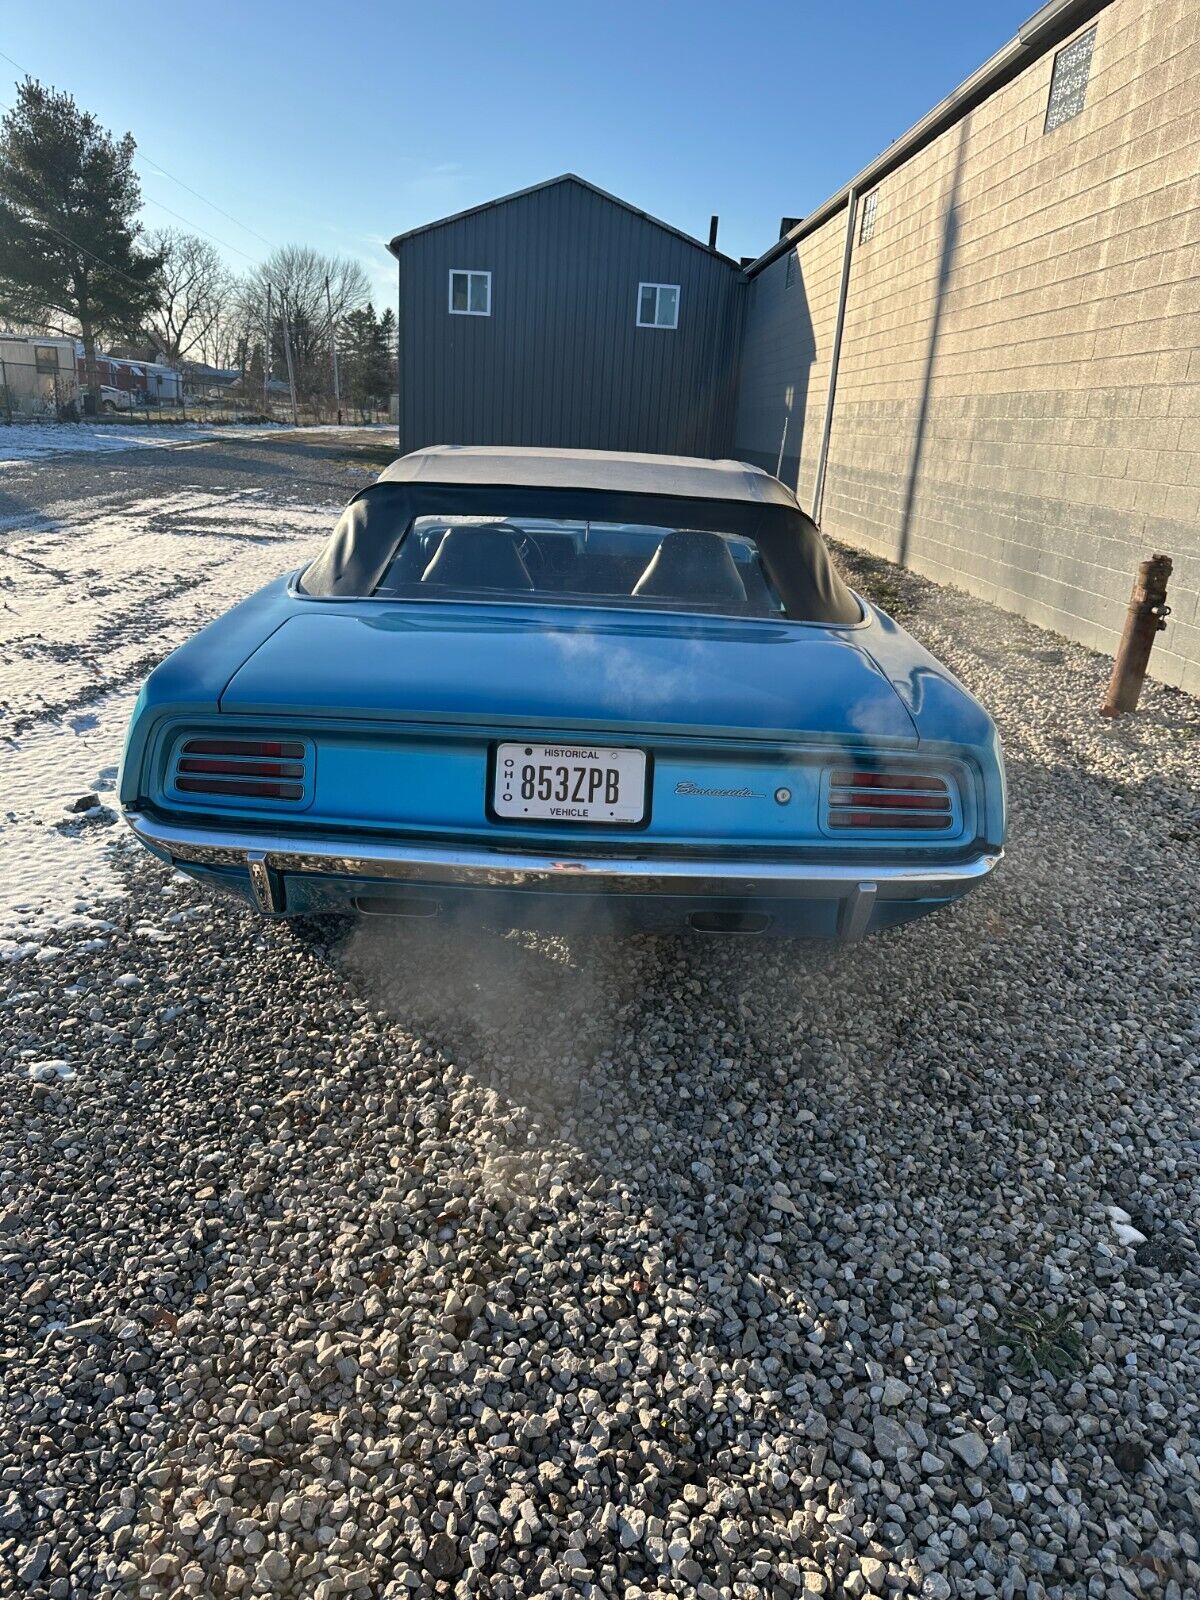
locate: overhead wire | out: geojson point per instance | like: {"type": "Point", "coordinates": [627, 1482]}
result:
{"type": "Point", "coordinates": [224, 243]}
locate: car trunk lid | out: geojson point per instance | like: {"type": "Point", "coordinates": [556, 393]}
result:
{"type": "Point", "coordinates": [623, 673]}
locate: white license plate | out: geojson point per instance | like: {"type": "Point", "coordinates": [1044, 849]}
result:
{"type": "Point", "coordinates": [569, 783]}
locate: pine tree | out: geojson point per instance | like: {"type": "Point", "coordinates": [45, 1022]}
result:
{"type": "Point", "coordinates": [252, 375]}
{"type": "Point", "coordinates": [365, 360]}
{"type": "Point", "coordinates": [69, 235]}
{"type": "Point", "coordinates": [388, 338]}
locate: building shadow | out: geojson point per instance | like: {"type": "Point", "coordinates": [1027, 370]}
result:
{"type": "Point", "coordinates": [778, 348]}
{"type": "Point", "coordinates": [947, 251]}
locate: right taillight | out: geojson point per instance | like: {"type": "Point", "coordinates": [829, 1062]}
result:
{"type": "Point", "coordinates": [871, 798]}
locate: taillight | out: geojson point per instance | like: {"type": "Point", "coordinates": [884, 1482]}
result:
{"type": "Point", "coordinates": [251, 769]}
{"type": "Point", "coordinates": [870, 798]}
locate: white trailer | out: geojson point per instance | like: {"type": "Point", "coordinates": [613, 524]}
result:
{"type": "Point", "coordinates": [37, 377]}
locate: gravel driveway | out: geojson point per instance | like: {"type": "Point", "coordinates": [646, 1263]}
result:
{"type": "Point", "coordinates": [438, 1262]}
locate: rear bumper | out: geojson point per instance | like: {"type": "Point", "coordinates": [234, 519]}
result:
{"type": "Point", "coordinates": [289, 875]}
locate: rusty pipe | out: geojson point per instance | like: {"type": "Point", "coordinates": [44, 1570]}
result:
{"type": "Point", "coordinates": [1146, 617]}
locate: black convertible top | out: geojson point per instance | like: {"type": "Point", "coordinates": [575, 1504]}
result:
{"type": "Point", "coordinates": [616, 471]}
{"type": "Point", "coordinates": [600, 486]}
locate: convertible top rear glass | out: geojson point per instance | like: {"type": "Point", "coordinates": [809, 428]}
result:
{"type": "Point", "coordinates": [413, 540]}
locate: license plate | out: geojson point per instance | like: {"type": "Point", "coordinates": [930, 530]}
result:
{"type": "Point", "coordinates": [569, 783]}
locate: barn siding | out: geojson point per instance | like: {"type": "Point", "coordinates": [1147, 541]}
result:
{"type": "Point", "coordinates": [561, 362]}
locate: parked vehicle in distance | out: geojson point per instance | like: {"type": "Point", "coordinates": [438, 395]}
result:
{"type": "Point", "coordinates": [560, 688]}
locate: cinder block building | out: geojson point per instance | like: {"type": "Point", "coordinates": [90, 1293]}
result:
{"type": "Point", "coordinates": [1016, 404]}
{"type": "Point", "coordinates": [981, 357]}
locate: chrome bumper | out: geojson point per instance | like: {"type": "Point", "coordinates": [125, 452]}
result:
{"type": "Point", "coordinates": [265, 856]}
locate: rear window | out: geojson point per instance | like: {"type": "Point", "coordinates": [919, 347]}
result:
{"type": "Point", "coordinates": [573, 562]}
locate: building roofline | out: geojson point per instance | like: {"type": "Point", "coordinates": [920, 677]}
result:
{"type": "Point", "coordinates": [550, 183]}
{"type": "Point", "coordinates": [1041, 33]}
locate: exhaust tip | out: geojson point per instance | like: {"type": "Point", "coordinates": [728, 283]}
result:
{"type": "Point", "coordinates": [396, 905]}
{"type": "Point", "coordinates": [728, 921]}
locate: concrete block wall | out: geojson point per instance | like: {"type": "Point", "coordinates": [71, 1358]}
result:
{"type": "Point", "coordinates": [1018, 404]}
{"type": "Point", "coordinates": [787, 334]}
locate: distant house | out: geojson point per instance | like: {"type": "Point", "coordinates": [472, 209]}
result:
{"type": "Point", "coordinates": [124, 378]}
{"type": "Point", "coordinates": [164, 383]}
{"type": "Point", "coordinates": [143, 372]}
{"type": "Point", "coordinates": [37, 376]}
{"type": "Point", "coordinates": [561, 315]}
{"type": "Point", "coordinates": [202, 382]}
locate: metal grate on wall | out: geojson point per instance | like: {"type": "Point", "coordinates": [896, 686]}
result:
{"type": "Point", "coordinates": [1069, 81]}
{"type": "Point", "coordinates": [866, 227]}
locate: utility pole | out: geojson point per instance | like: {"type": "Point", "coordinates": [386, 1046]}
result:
{"type": "Point", "coordinates": [337, 388]}
{"type": "Point", "coordinates": [267, 359]}
{"type": "Point", "coordinates": [287, 350]}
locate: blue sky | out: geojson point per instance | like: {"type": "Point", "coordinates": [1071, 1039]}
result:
{"type": "Point", "coordinates": [338, 125]}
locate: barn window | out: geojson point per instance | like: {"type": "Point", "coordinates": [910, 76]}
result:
{"type": "Point", "coordinates": [1069, 81]}
{"type": "Point", "coordinates": [866, 228]}
{"type": "Point", "coordinates": [45, 358]}
{"type": "Point", "coordinates": [470, 293]}
{"type": "Point", "coordinates": [658, 305]}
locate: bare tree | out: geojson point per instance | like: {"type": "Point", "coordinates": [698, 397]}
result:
{"type": "Point", "coordinates": [196, 293]}
{"type": "Point", "coordinates": [229, 334]}
{"type": "Point", "coordinates": [296, 275]}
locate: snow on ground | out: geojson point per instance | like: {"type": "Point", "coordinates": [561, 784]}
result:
{"type": "Point", "coordinates": [34, 441]}
{"type": "Point", "coordinates": [88, 604]}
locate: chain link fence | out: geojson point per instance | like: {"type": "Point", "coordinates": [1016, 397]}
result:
{"type": "Point", "coordinates": [37, 384]}
{"type": "Point", "coordinates": [40, 382]}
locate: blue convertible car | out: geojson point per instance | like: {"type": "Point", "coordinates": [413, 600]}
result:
{"type": "Point", "coordinates": [569, 688]}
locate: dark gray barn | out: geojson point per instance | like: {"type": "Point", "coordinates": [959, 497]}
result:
{"type": "Point", "coordinates": [561, 316]}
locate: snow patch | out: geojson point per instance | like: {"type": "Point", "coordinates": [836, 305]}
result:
{"type": "Point", "coordinates": [92, 595]}
{"type": "Point", "coordinates": [37, 441]}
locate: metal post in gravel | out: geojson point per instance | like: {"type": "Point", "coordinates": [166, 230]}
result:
{"type": "Point", "coordinates": [1147, 616]}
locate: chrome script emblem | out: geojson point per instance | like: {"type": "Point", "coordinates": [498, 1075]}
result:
{"type": "Point", "coordinates": [718, 794]}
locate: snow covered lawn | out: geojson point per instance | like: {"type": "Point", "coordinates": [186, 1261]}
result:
{"type": "Point", "coordinates": [90, 600]}
{"type": "Point", "coordinates": [34, 441]}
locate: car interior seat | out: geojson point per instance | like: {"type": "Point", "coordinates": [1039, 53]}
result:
{"type": "Point", "coordinates": [692, 565]}
{"type": "Point", "coordinates": [478, 558]}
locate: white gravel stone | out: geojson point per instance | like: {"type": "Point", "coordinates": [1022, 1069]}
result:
{"type": "Point", "coordinates": [970, 1449]}
{"type": "Point", "coordinates": [895, 1392]}
{"type": "Point", "coordinates": [432, 1261]}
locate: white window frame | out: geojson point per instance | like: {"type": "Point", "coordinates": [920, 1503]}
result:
{"type": "Point", "coordinates": [468, 273]}
{"type": "Point", "coordinates": [670, 327]}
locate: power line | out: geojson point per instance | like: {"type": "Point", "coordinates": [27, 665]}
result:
{"type": "Point", "coordinates": [224, 243]}
{"type": "Point", "coordinates": [207, 202]}
{"type": "Point", "coordinates": [92, 256]}
{"type": "Point", "coordinates": [163, 171]}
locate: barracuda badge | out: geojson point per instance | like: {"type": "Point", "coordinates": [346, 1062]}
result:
{"type": "Point", "coordinates": [718, 794]}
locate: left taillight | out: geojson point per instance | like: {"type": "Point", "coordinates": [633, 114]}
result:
{"type": "Point", "coordinates": [241, 768]}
